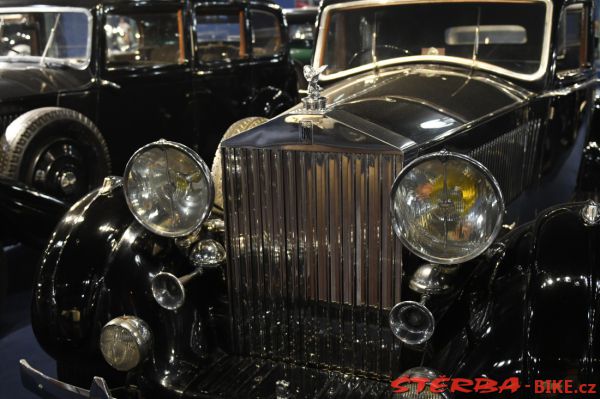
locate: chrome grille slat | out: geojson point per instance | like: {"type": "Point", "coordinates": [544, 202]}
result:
{"type": "Point", "coordinates": [511, 158]}
{"type": "Point", "coordinates": [314, 264]}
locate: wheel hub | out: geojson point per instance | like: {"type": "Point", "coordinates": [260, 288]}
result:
{"type": "Point", "coordinates": [68, 181]}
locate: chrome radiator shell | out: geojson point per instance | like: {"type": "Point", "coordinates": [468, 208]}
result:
{"type": "Point", "coordinates": [313, 264]}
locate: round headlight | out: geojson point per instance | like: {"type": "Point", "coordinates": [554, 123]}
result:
{"type": "Point", "coordinates": [447, 208]}
{"type": "Point", "coordinates": [168, 188]}
{"type": "Point", "coordinates": [125, 342]}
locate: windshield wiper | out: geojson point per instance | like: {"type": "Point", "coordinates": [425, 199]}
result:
{"type": "Point", "coordinates": [475, 54]}
{"type": "Point", "coordinates": [476, 41]}
{"type": "Point", "coordinates": [50, 39]}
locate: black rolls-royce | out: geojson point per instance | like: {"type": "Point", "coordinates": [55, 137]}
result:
{"type": "Point", "coordinates": [384, 238]}
{"type": "Point", "coordinates": [83, 84]}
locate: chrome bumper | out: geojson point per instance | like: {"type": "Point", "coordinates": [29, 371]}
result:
{"type": "Point", "coordinates": [49, 388]}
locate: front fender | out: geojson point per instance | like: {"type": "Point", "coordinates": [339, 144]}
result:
{"type": "Point", "coordinates": [99, 264]}
{"type": "Point", "coordinates": [538, 301]}
{"type": "Point", "coordinates": [71, 270]}
{"type": "Point", "coordinates": [562, 301]}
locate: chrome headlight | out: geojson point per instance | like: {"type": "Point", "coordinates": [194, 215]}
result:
{"type": "Point", "coordinates": [168, 188]}
{"type": "Point", "coordinates": [125, 342]}
{"type": "Point", "coordinates": [447, 208]}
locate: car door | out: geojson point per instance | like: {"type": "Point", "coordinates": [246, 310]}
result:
{"type": "Point", "coordinates": [570, 106]}
{"type": "Point", "coordinates": [145, 72]}
{"type": "Point", "coordinates": [222, 81]}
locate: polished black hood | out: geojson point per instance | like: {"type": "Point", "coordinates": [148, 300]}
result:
{"type": "Point", "coordinates": [396, 106]}
{"type": "Point", "coordinates": [23, 80]}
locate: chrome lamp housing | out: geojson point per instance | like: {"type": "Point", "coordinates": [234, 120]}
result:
{"type": "Point", "coordinates": [168, 188]}
{"type": "Point", "coordinates": [447, 208]}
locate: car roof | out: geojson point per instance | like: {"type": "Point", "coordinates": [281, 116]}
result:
{"type": "Point", "coordinates": [324, 3]}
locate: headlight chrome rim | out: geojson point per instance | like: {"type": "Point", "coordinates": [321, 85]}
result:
{"type": "Point", "coordinates": [198, 162]}
{"type": "Point", "coordinates": [447, 155]}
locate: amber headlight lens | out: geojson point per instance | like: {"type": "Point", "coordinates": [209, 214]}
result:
{"type": "Point", "coordinates": [125, 342]}
{"type": "Point", "coordinates": [447, 208]}
{"type": "Point", "coordinates": [168, 188]}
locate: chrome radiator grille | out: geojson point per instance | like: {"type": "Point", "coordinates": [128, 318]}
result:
{"type": "Point", "coordinates": [511, 158]}
{"type": "Point", "coordinates": [314, 266]}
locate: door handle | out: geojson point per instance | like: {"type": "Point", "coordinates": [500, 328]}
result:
{"type": "Point", "coordinates": [106, 83]}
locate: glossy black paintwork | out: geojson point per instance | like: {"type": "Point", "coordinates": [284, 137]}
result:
{"type": "Point", "coordinates": [193, 103]}
{"type": "Point", "coordinates": [26, 214]}
{"type": "Point", "coordinates": [536, 319]}
{"type": "Point", "coordinates": [402, 102]}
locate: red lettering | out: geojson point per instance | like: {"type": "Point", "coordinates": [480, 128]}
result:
{"type": "Point", "coordinates": [460, 385]}
{"type": "Point", "coordinates": [485, 385]}
{"type": "Point", "coordinates": [511, 384]}
{"type": "Point", "coordinates": [540, 386]}
{"type": "Point", "coordinates": [569, 386]}
{"type": "Point", "coordinates": [421, 383]}
{"type": "Point", "coordinates": [557, 387]}
{"type": "Point", "coordinates": [439, 385]}
{"type": "Point", "coordinates": [591, 388]}
{"type": "Point", "coordinates": [397, 384]}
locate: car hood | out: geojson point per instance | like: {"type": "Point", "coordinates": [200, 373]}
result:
{"type": "Point", "coordinates": [399, 107]}
{"type": "Point", "coordinates": [23, 80]}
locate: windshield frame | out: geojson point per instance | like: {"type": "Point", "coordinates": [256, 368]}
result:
{"type": "Point", "coordinates": [53, 9]}
{"type": "Point", "coordinates": [325, 20]}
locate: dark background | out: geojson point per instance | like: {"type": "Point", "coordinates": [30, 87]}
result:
{"type": "Point", "coordinates": [16, 336]}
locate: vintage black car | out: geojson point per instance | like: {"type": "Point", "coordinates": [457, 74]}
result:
{"type": "Point", "coordinates": [390, 229]}
{"type": "Point", "coordinates": [83, 84]}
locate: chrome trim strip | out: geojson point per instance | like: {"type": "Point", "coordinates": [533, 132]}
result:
{"type": "Point", "coordinates": [565, 91]}
{"type": "Point", "coordinates": [371, 129]}
{"type": "Point", "coordinates": [420, 58]}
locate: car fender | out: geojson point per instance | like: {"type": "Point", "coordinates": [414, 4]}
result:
{"type": "Point", "coordinates": [544, 285]}
{"type": "Point", "coordinates": [99, 264]}
{"type": "Point", "coordinates": [562, 297]}
{"type": "Point", "coordinates": [69, 279]}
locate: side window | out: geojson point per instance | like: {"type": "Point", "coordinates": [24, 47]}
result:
{"type": "Point", "coordinates": [144, 40]}
{"type": "Point", "coordinates": [572, 38]}
{"type": "Point", "coordinates": [220, 37]}
{"type": "Point", "coordinates": [266, 33]}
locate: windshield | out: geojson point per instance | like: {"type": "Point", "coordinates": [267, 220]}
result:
{"type": "Point", "coordinates": [507, 37]}
{"type": "Point", "coordinates": [45, 36]}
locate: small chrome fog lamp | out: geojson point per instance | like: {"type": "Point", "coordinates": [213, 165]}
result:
{"type": "Point", "coordinates": [207, 253]}
{"type": "Point", "coordinates": [411, 322]}
{"type": "Point", "coordinates": [447, 208]}
{"type": "Point", "coordinates": [433, 279]}
{"type": "Point", "coordinates": [413, 392]}
{"type": "Point", "coordinates": [168, 188]}
{"type": "Point", "coordinates": [125, 342]}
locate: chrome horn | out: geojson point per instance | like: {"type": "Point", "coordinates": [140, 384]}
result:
{"type": "Point", "coordinates": [169, 291]}
{"type": "Point", "coordinates": [411, 322]}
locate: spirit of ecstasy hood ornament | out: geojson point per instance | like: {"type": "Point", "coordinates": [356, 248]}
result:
{"type": "Point", "coordinates": [314, 101]}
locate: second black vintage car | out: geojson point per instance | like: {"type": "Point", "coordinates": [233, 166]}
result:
{"type": "Point", "coordinates": [389, 230]}
{"type": "Point", "coordinates": [85, 83]}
